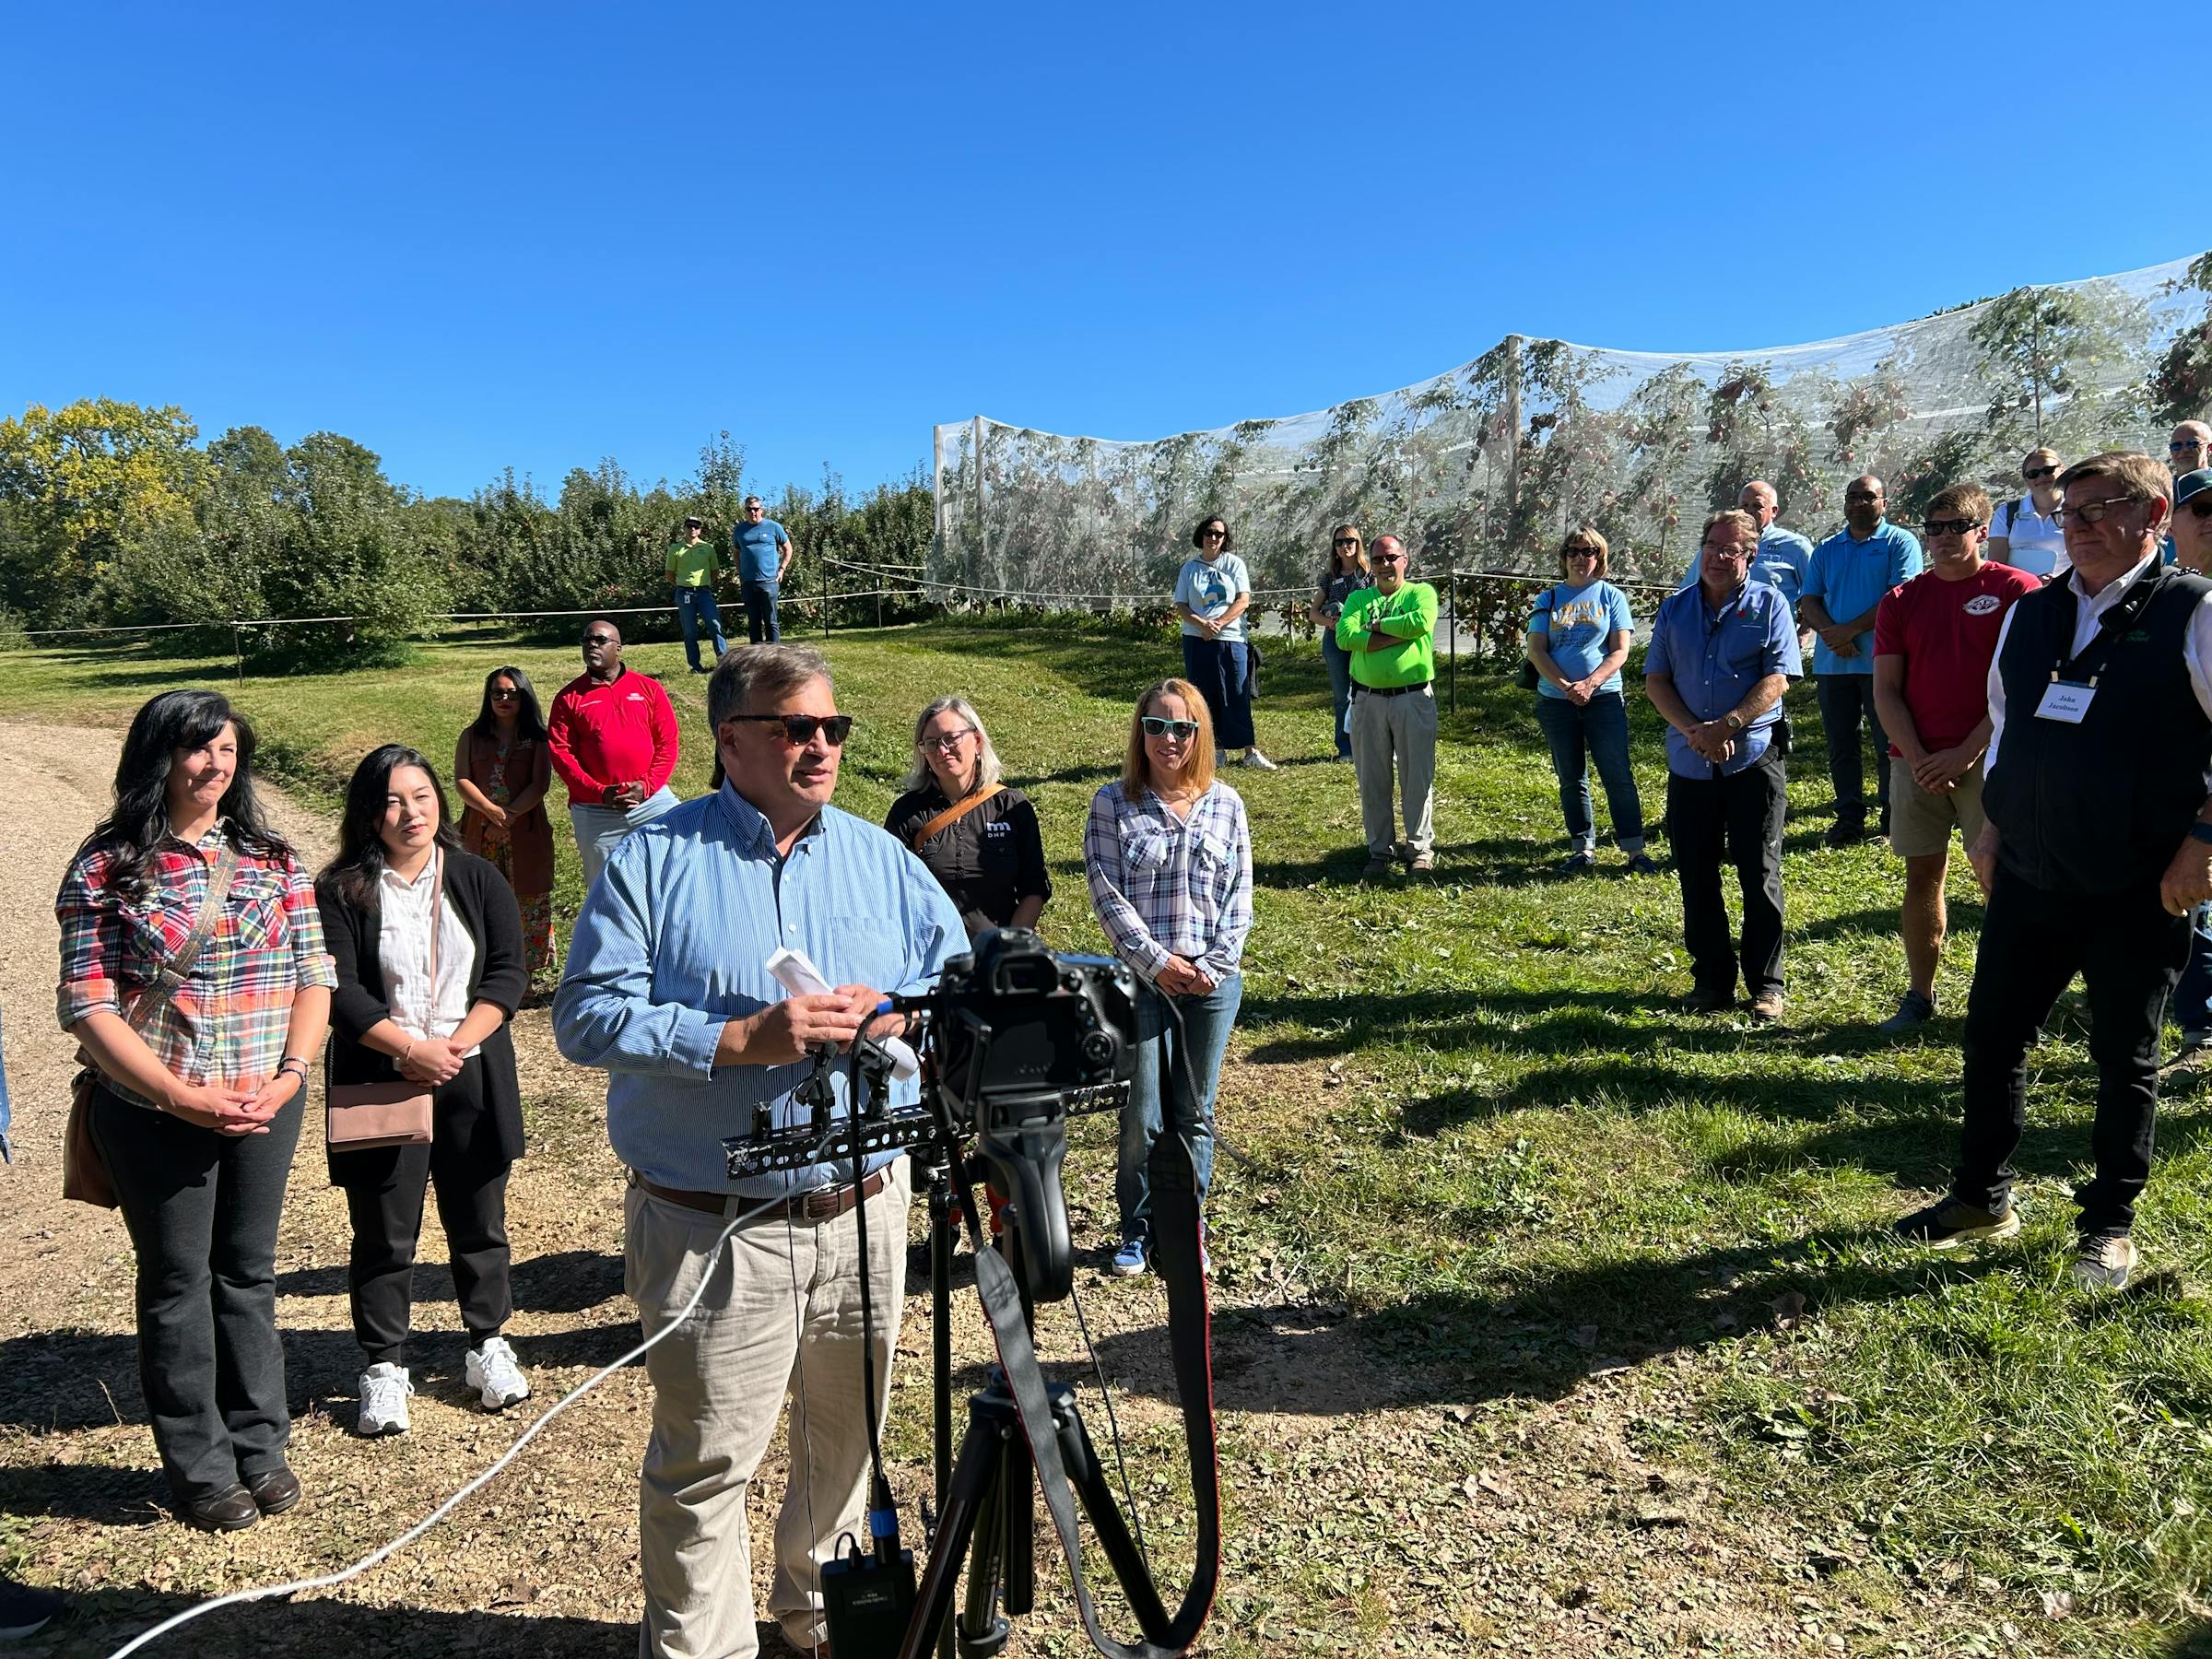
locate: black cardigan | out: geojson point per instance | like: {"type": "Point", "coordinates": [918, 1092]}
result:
{"type": "Point", "coordinates": [487, 906]}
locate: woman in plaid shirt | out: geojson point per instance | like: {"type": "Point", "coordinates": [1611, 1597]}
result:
{"type": "Point", "coordinates": [197, 1113]}
{"type": "Point", "coordinates": [1168, 857]}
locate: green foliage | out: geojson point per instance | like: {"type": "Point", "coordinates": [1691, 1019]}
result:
{"type": "Point", "coordinates": [2181, 386]}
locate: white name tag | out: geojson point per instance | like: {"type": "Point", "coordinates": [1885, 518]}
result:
{"type": "Point", "coordinates": [2067, 701]}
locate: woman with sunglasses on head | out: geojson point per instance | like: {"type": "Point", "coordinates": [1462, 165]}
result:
{"type": "Point", "coordinates": [1346, 573]}
{"type": "Point", "coordinates": [2024, 532]}
{"type": "Point", "coordinates": [195, 977]}
{"type": "Point", "coordinates": [1213, 592]}
{"type": "Point", "coordinates": [429, 942]}
{"type": "Point", "coordinates": [979, 838]}
{"type": "Point", "coordinates": [1578, 639]}
{"type": "Point", "coordinates": [1168, 853]}
{"type": "Point", "coordinates": [501, 769]}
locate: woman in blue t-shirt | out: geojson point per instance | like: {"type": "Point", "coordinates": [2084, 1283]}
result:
{"type": "Point", "coordinates": [1212, 594]}
{"type": "Point", "coordinates": [1577, 640]}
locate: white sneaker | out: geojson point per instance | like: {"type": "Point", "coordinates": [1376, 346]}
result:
{"type": "Point", "coordinates": [492, 1373]}
{"type": "Point", "coordinates": [1258, 762]}
{"type": "Point", "coordinates": [384, 1391]}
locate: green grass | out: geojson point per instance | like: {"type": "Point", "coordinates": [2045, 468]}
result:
{"type": "Point", "coordinates": [1489, 1144]}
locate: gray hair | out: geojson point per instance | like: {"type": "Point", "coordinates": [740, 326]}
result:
{"type": "Point", "coordinates": [986, 765]}
{"type": "Point", "coordinates": [750, 673]}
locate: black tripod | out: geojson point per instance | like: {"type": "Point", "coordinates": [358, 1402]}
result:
{"type": "Point", "coordinates": [986, 1497]}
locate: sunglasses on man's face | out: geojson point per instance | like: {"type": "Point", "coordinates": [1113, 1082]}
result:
{"type": "Point", "coordinates": [599, 638]}
{"type": "Point", "coordinates": [2186, 443]}
{"type": "Point", "coordinates": [1160, 725]}
{"type": "Point", "coordinates": [2199, 508]}
{"type": "Point", "coordinates": [2033, 473]}
{"type": "Point", "coordinates": [799, 729]}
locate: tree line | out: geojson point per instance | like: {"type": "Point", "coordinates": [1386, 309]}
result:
{"type": "Point", "coordinates": [115, 513]}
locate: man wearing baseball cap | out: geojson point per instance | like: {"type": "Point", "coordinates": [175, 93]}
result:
{"type": "Point", "coordinates": [2192, 532]}
{"type": "Point", "coordinates": [693, 559]}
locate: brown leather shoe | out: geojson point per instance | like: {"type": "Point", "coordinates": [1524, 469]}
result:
{"type": "Point", "coordinates": [1767, 1005]}
{"type": "Point", "coordinates": [231, 1509]}
{"type": "Point", "coordinates": [276, 1492]}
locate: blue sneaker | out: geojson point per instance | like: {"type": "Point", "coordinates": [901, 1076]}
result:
{"type": "Point", "coordinates": [1129, 1260]}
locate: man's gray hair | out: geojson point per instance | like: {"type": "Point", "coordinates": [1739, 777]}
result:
{"type": "Point", "coordinates": [751, 674]}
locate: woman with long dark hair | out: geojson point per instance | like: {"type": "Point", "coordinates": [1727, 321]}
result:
{"type": "Point", "coordinates": [502, 768]}
{"type": "Point", "coordinates": [1168, 851]}
{"type": "Point", "coordinates": [1346, 573]}
{"type": "Point", "coordinates": [195, 977]}
{"type": "Point", "coordinates": [429, 942]}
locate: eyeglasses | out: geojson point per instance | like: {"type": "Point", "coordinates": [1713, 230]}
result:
{"type": "Point", "coordinates": [2032, 473]}
{"type": "Point", "coordinates": [1861, 495]}
{"type": "Point", "coordinates": [1573, 552]}
{"type": "Point", "coordinates": [505, 694]}
{"type": "Point", "coordinates": [799, 729]}
{"type": "Point", "coordinates": [1342, 541]}
{"type": "Point", "coordinates": [2094, 512]}
{"type": "Point", "coordinates": [1935, 527]}
{"type": "Point", "coordinates": [599, 638]}
{"type": "Point", "coordinates": [945, 741]}
{"type": "Point", "coordinates": [1160, 725]}
{"type": "Point", "coordinates": [1387, 557]}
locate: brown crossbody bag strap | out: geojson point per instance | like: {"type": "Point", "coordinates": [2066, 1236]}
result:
{"type": "Point", "coordinates": [951, 816]}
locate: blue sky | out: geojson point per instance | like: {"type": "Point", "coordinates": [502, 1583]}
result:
{"type": "Point", "coordinates": [475, 236]}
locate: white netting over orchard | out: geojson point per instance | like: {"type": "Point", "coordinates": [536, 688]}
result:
{"type": "Point", "coordinates": [1486, 467]}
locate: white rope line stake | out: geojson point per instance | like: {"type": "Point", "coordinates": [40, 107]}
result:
{"type": "Point", "coordinates": [330, 1580]}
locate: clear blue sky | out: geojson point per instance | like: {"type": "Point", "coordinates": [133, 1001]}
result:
{"type": "Point", "coordinates": [472, 236]}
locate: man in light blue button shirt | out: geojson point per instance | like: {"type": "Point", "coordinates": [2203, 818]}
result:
{"type": "Point", "coordinates": [668, 991]}
{"type": "Point", "coordinates": [1843, 588]}
{"type": "Point", "coordinates": [1784, 555]}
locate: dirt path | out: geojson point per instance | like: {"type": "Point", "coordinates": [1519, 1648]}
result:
{"type": "Point", "coordinates": [1363, 1514]}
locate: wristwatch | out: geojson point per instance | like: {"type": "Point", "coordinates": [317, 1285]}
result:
{"type": "Point", "coordinates": [1734, 721]}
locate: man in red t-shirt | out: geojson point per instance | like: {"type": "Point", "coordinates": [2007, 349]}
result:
{"type": "Point", "coordinates": [611, 735]}
{"type": "Point", "coordinates": [1933, 637]}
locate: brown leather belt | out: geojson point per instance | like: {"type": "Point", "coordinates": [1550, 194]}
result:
{"type": "Point", "coordinates": [1393, 690]}
{"type": "Point", "coordinates": [823, 1204]}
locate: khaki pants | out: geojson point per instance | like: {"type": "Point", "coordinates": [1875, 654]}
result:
{"type": "Point", "coordinates": [784, 1319]}
{"type": "Point", "coordinates": [1396, 733]}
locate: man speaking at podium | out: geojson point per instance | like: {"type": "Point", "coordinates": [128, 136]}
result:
{"type": "Point", "coordinates": [668, 990]}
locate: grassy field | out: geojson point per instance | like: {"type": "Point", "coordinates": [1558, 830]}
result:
{"type": "Point", "coordinates": [1497, 1162]}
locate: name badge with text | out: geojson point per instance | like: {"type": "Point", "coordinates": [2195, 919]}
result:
{"type": "Point", "coordinates": [2066, 700]}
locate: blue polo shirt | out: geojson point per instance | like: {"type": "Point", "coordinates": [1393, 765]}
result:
{"type": "Point", "coordinates": [1850, 578]}
{"type": "Point", "coordinates": [1714, 658]}
{"type": "Point", "coordinates": [1781, 557]}
{"type": "Point", "coordinates": [759, 550]}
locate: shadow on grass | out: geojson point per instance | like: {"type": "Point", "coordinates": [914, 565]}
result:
{"type": "Point", "coordinates": [96, 1622]}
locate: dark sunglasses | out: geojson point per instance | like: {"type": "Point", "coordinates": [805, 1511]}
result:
{"type": "Point", "coordinates": [1347, 541]}
{"type": "Point", "coordinates": [2201, 507]}
{"type": "Point", "coordinates": [599, 638]}
{"type": "Point", "coordinates": [1861, 495]}
{"type": "Point", "coordinates": [1160, 725]}
{"type": "Point", "coordinates": [509, 695]}
{"type": "Point", "coordinates": [1950, 527]}
{"type": "Point", "coordinates": [799, 729]}
{"type": "Point", "coordinates": [1213, 536]}
{"type": "Point", "coordinates": [1575, 552]}
{"type": "Point", "coordinates": [2039, 471]}
{"type": "Point", "coordinates": [2182, 444]}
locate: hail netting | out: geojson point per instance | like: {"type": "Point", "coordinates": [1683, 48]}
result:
{"type": "Point", "coordinates": [1486, 466]}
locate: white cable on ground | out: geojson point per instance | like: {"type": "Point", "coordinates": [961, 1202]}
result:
{"type": "Point", "coordinates": [328, 1580]}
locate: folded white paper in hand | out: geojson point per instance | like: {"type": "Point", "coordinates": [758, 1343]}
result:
{"type": "Point", "coordinates": [797, 974]}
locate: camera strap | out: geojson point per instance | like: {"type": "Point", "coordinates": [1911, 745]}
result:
{"type": "Point", "coordinates": [1175, 1215]}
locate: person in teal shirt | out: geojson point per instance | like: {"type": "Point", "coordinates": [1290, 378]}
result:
{"type": "Point", "coordinates": [764, 550]}
{"type": "Point", "coordinates": [1843, 588]}
{"type": "Point", "coordinates": [1577, 640]}
{"type": "Point", "coordinates": [1390, 630]}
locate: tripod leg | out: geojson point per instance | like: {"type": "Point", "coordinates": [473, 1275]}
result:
{"type": "Point", "coordinates": [1089, 1479]}
{"type": "Point", "coordinates": [1017, 1546]}
{"type": "Point", "coordinates": [969, 1497]}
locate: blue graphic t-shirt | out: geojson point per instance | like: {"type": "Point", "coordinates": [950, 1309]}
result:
{"type": "Point", "coordinates": [1211, 589]}
{"type": "Point", "coordinates": [1579, 621]}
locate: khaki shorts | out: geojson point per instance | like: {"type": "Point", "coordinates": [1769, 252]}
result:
{"type": "Point", "coordinates": [1920, 822]}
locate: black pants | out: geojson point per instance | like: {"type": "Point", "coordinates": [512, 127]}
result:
{"type": "Point", "coordinates": [2128, 952]}
{"type": "Point", "coordinates": [1738, 818]}
{"type": "Point", "coordinates": [202, 1211]}
{"type": "Point", "coordinates": [385, 1191]}
{"type": "Point", "coordinates": [1844, 699]}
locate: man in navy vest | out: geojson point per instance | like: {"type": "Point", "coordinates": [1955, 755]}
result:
{"type": "Point", "coordinates": [2097, 848]}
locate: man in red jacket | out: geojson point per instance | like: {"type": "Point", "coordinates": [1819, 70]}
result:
{"type": "Point", "coordinates": [611, 736]}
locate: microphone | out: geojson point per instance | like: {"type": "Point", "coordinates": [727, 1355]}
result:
{"type": "Point", "coordinates": [796, 971]}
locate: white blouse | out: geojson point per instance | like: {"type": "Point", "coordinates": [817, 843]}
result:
{"type": "Point", "coordinates": [403, 946]}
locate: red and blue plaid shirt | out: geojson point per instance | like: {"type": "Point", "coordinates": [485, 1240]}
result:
{"type": "Point", "coordinates": [227, 1021]}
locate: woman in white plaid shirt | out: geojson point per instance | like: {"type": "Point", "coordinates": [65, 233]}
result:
{"type": "Point", "coordinates": [1168, 857]}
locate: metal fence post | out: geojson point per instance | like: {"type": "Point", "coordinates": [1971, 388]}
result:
{"type": "Point", "coordinates": [1451, 646]}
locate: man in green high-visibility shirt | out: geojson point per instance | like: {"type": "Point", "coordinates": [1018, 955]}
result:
{"type": "Point", "coordinates": [693, 559]}
{"type": "Point", "coordinates": [1389, 631]}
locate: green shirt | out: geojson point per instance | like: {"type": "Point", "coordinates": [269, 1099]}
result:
{"type": "Point", "coordinates": [692, 564]}
{"type": "Point", "coordinates": [1408, 617]}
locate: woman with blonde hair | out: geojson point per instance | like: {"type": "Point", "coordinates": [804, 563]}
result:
{"type": "Point", "coordinates": [1346, 573]}
{"type": "Point", "coordinates": [1168, 853]}
{"type": "Point", "coordinates": [979, 838]}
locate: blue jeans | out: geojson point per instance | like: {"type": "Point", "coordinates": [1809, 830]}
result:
{"type": "Point", "coordinates": [1601, 725]}
{"type": "Point", "coordinates": [1221, 671]}
{"type": "Point", "coordinates": [1338, 662]}
{"type": "Point", "coordinates": [695, 608]}
{"type": "Point", "coordinates": [760, 610]}
{"type": "Point", "coordinates": [1182, 1052]}
{"type": "Point", "coordinates": [2192, 996]}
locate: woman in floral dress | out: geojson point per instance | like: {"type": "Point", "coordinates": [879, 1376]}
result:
{"type": "Point", "coordinates": [502, 767]}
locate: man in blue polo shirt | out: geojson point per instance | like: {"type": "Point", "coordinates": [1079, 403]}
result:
{"type": "Point", "coordinates": [763, 551]}
{"type": "Point", "coordinates": [1784, 555]}
{"type": "Point", "coordinates": [1843, 588]}
{"type": "Point", "coordinates": [1722, 654]}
